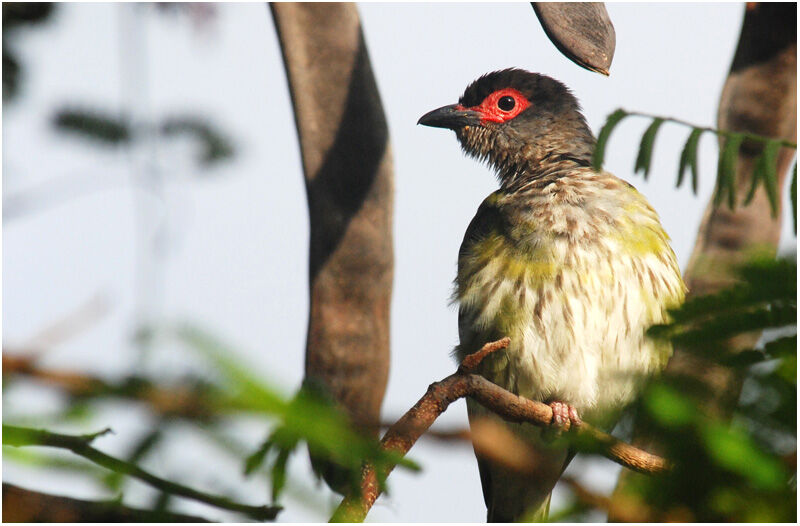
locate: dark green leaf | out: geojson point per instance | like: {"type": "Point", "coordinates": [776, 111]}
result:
{"type": "Point", "coordinates": [215, 146]}
{"type": "Point", "coordinates": [11, 74]}
{"type": "Point", "coordinates": [669, 406]}
{"type": "Point", "coordinates": [781, 346]}
{"type": "Point", "coordinates": [18, 13]}
{"type": "Point", "coordinates": [93, 125]}
{"type": "Point", "coordinates": [727, 325]}
{"type": "Point", "coordinates": [745, 358]}
{"type": "Point", "coordinates": [689, 158]}
{"type": "Point", "coordinates": [279, 473]}
{"type": "Point", "coordinates": [761, 282]}
{"type": "Point", "coordinates": [254, 461]}
{"type": "Point", "coordinates": [726, 170]}
{"type": "Point", "coordinates": [252, 392]}
{"type": "Point", "coordinates": [793, 196]}
{"type": "Point", "coordinates": [765, 170]}
{"type": "Point", "coordinates": [736, 451]}
{"type": "Point", "coordinates": [646, 147]}
{"type": "Point", "coordinates": [602, 138]}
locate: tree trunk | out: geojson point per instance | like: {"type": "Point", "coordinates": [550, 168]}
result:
{"type": "Point", "coordinates": [759, 96]}
{"type": "Point", "coordinates": [347, 163]}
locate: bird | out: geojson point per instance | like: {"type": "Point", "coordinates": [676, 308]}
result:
{"type": "Point", "coordinates": [570, 263]}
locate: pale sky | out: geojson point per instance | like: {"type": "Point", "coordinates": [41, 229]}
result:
{"type": "Point", "coordinates": [235, 239]}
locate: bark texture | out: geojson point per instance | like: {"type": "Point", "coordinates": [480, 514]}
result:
{"type": "Point", "coordinates": [347, 163]}
{"type": "Point", "coordinates": [759, 96]}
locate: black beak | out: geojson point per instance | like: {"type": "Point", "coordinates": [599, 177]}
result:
{"type": "Point", "coordinates": [450, 117]}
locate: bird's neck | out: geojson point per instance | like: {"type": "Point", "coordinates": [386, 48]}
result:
{"type": "Point", "coordinates": [548, 154]}
{"type": "Point", "coordinates": [546, 165]}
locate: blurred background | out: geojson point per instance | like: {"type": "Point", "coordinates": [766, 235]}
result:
{"type": "Point", "coordinates": [185, 204]}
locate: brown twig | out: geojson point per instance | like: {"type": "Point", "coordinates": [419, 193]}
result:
{"type": "Point", "coordinates": [80, 445]}
{"type": "Point", "coordinates": [183, 400]}
{"type": "Point", "coordinates": [493, 441]}
{"type": "Point", "coordinates": [69, 326]}
{"type": "Point", "coordinates": [471, 362]}
{"type": "Point", "coordinates": [24, 505]}
{"type": "Point", "coordinates": [403, 435]}
{"type": "Point", "coordinates": [628, 511]}
{"type": "Point", "coordinates": [626, 508]}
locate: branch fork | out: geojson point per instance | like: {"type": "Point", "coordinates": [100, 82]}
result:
{"type": "Point", "coordinates": [401, 436]}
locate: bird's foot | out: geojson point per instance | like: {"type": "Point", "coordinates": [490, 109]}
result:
{"type": "Point", "coordinates": [564, 416]}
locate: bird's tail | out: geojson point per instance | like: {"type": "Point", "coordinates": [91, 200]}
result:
{"type": "Point", "coordinates": [536, 514]}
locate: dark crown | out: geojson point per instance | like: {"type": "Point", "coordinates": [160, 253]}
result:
{"type": "Point", "coordinates": [544, 92]}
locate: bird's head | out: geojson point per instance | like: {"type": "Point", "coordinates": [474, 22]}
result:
{"type": "Point", "coordinates": [518, 121]}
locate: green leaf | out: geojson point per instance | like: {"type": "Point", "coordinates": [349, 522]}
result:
{"type": "Point", "coordinates": [745, 358]}
{"type": "Point", "coordinates": [254, 461]}
{"type": "Point", "coordinates": [252, 392]}
{"type": "Point", "coordinates": [734, 450]}
{"type": "Point", "coordinates": [215, 147]}
{"type": "Point", "coordinates": [766, 170]}
{"type": "Point", "coordinates": [793, 196]}
{"type": "Point", "coordinates": [22, 436]}
{"type": "Point", "coordinates": [689, 158]}
{"type": "Point", "coordinates": [602, 138]}
{"type": "Point", "coordinates": [279, 472]}
{"type": "Point", "coordinates": [93, 125]}
{"type": "Point", "coordinates": [34, 458]}
{"type": "Point", "coordinates": [668, 406]}
{"type": "Point", "coordinates": [781, 347]}
{"type": "Point", "coordinates": [727, 325]}
{"type": "Point", "coordinates": [773, 280]}
{"type": "Point", "coordinates": [726, 170]}
{"type": "Point", "coordinates": [646, 147]}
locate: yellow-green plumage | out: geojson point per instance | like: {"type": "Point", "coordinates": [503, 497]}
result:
{"type": "Point", "coordinates": [573, 270]}
{"type": "Point", "coordinates": [571, 264]}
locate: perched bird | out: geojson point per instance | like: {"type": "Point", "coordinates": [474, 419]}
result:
{"type": "Point", "coordinates": [571, 264]}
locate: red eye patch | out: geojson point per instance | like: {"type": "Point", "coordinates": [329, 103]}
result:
{"type": "Point", "coordinates": [502, 105]}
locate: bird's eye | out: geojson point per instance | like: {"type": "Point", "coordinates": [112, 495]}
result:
{"type": "Point", "coordinates": [506, 103]}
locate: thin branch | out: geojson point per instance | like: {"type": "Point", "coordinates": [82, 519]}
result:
{"type": "Point", "coordinates": [626, 508]}
{"type": "Point", "coordinates": [723, 133]}
{"type": "Point", "coordinates": [185, 400]}
{"type": "Point", "coordinates": [403, 435]}
{"type": "Point", "coordinates": [629, 511]}
{"type": "Point", "coordinates": [80, 445]}
{"type": "Point", "coordinates": [24, 505]}
{"type": "Point", "coordinates": [470, 363]}
{"type": "Point", "coordinates": [70, 325]}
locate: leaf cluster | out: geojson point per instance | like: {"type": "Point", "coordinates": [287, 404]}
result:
{"type": "Point", "coordinates": [742, 470]}
{"type": "Point", "coordinates": [307, 417]}
{"type": "Point", "coordinates": [209, 405]}
{"type": "Point", "coordinates": [17, 15]}
{"type": "Point", "coordinates": [764, 172]}
{"type": "Point", "coordinates": [105, 129]}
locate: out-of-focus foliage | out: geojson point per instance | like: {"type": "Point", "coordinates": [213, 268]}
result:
{"type": "Point", "coordinates": [16, 15]}
{"type": "Point", "coordinates": [744, 470]}
{"type": "Point", "coordinates": [215, 147]}
{"type": "Point", "coordinates": [93, 125]}
{"type": "Point", "coordinates": [104, 129]}
{"type": "Point", "coordinates": [305, 418]}
{"type": "Point", "coordinates": [234, 391]}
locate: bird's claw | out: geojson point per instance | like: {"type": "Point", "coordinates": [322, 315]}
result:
{"type": "Point", "coordinates": [564, 416]}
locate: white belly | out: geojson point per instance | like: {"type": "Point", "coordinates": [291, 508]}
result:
{"type": "Point", "coordinates": [581, 336]}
